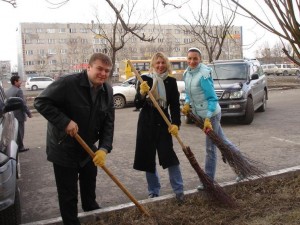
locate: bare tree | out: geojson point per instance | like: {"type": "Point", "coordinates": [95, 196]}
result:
{"type": "Point", "coordinates": [286, 13]}
{"type": "Point", "coordinates": [12, 2]}
{"type": "Point", "coordinates": [211, 36]}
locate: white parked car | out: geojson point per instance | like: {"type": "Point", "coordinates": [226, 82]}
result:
{"type": "Point", "coordinates": [35, 83]}
{"type": "Point", "coordinates": [124, 93]}
{"type": "Point", "coordinates": [287, 69]}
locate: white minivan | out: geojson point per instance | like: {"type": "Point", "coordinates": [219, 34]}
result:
{"type": "Point", "coordinates": [35, 83]}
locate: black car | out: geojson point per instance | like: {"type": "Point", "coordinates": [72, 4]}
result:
{"type": "Point", "coordinates": [241, 87]}
{"type": "Point", "coordinates": [10, 212]}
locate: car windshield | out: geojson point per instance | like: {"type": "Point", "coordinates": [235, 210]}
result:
{"type": "Point", "coordinates": [128, 82]}
{"type": "Point", "coordinates": [229, 71]}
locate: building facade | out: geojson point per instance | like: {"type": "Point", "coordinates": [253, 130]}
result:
{"type": "Point", "coordinates": [53, 49]}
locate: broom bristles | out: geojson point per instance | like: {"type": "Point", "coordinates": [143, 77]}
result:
{"type": "Point", "coordinates": [210, 186]}
{"type": "Point", "coordinates": [239, 162]}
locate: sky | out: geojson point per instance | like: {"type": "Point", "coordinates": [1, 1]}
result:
{"type": "Point", "coordinates": [85, 11]}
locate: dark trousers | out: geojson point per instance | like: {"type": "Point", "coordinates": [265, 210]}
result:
{"type": "Point", "coordinates": [66, 182]}
{"type": "Point", "coordinates": [20, 137]}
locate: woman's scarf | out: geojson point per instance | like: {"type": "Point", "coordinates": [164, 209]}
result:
{"type": "Point", "coordinates": [158, 89]}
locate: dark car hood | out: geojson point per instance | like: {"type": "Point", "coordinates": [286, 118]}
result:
{"type": "Point", "coordinates": [225, 84]}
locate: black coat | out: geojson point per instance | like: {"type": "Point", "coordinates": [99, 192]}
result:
{"type": "Point", "coordinates": [69, 98]}
{"type": "Point", "coordinates": [152, 130]}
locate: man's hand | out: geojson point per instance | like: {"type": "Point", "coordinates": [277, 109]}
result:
{"type": "Point", "coordinates": [185, 109]}
{"type": "Point", "coordinates": [99, 158]}
{"type": "Point", "coordinates": [173, 129]}
{"type": "Point", "coordinates": [72, 128]}
{"type": "Point", "coordinates": [207, 125]}
{"type": "Point", "coordinates": [144, 88]}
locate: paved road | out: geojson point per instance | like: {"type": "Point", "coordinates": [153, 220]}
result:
{"type": "Point", "coordinates": [273, 138]}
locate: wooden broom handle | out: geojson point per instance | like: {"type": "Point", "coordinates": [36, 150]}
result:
{"type": "Point", "coordinates": [121, 186]}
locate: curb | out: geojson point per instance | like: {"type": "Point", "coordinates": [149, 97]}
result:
{"type": "Point", "coordinates": [93, 216]}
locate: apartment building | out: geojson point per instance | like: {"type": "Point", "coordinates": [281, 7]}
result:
{"type": "Point", "coordinates": [53, 49]}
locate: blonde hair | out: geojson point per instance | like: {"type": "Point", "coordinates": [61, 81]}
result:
{"type": "Point", "coordinates": [155, 58]}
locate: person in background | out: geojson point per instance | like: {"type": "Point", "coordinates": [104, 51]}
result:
{"type": "Point", "coordinates": [81, 104]}
{"type": "Point", "coordinates": [153, 134]}
{"type": "Point", "coordinates": [201, 96]}
{"type": "Point", "coordinates": [20, 114]}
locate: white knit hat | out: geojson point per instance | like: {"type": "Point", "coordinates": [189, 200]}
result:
{"type": "Point", "coordinates": [194, 50]}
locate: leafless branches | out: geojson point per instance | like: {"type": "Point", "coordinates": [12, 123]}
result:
{"type": "Point", "coordinates": [12, 2]}
{"type": "Point", "coordinates": [286, 13]}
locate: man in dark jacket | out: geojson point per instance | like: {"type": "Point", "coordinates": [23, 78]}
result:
{"type": "Point", "coordinates": [79, 103]}
{"type": "Point", "coordinates": [20, 114]}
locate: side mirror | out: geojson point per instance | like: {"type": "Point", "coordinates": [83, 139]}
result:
{"type": "Point", "coordinates": [254, 76]}
{"type": "Point", "coordinates": [13, 103]}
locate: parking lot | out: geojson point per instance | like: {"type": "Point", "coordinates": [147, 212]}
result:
{"type": "Point", "coordinates": [272, 138]}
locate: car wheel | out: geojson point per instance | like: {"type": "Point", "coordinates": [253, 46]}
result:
{"type": "Point", "coordinates": [297, 73]}
{"type": "Point", "coordinates": [12, 215]}
{"type": "Point", "coordinates": [249, 113]}
{"type": "Point", "coordinates": [119, 101]}
{"type": "Point", "coordinates": [263, 107]}
{"type": "Point", "coordinates": [285, 73]}
{"type": "Point", "coordinates": [34, 88]}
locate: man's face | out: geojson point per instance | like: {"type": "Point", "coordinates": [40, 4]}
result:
{"type": "Point", "coordinates": [18, 83]}
{"type": "Point", "coordinates": [98, 72]}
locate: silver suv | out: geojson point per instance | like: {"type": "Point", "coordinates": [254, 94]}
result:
{"type": "Point", "coordinates": [35, 83]}
{"type": "Point", "coordinates": [241, 87]}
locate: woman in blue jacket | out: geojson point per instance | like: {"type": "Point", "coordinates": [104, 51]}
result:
{"type": "Point", "coordinates": [200, 94]}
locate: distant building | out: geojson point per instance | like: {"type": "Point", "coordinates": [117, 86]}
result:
{"type": "Point", "coordinates": [50, 49]}
{"type": "Point", "coordinates": [5, 69]}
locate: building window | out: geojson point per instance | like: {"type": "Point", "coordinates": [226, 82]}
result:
{"type": "Point", "coordinates": [41, 62]}
{"type": "Point", "coordinates": [72, 30]}
{"type": "Point", "coordinates": [61, 41]}
{"type": "Point", "coordinates": [62, 30]}
{"type": "Point", "coordinates": [84, 41]}
{"type": "Point", "coordinates": [51, 41]}
{"type": "Point", "coordinates": [63, 51]}
{"type": "Point", "coordinates": [51, 31]}
{"type": "Point", "coordinates": [29, 63]}
{"type": "Point", "coordinates": [40, 30]}
{"type": "Point", "coordinates": [52, 62]}
{"type": "Point", "coordinates": [28, 31]}
{"type": "Point", "coordinates": [160, 40]}
{"type": "Point", "coordinates": [29, 52]}
{"type": "Point", "coordinates": [41, 51]}
{"type": "Point", "coordinates": [28, 41]}
{"type": "Point", "coordinates": [51, 51]}
{"type": "Point", "coordinates": [40, 41]}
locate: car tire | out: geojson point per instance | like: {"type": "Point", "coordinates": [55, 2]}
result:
{"type": "Point", "coordinates": [297, 73]}
{"type": "Point", "coordinates": [12, 215]}
{"type": "Point", "coordinates": [249, 113]}
{"type": "Point", "coordinates": [263, 107]}
{"type": "Point", "coordinates": [285, 73]}
{"type": "Point", "coordinates": [34, 88]}
{"type": "Point", "coordinates": [119, 101]}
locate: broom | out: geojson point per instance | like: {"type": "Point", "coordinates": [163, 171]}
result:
{"type": "Point", "coordinates": [239, 162]}
{"type": "Point", "coordinates": [210, 186]}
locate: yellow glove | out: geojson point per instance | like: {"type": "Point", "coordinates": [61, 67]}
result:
{"type": "Point", "coordinates": [173, 129]}
{"type": "Point", "coordinates": [99, 158]}
{"type": "Point", "coordinates": [144, 87]}
{"type": "Point", "coordinates": [185, 109]}
{"type": "Point", "coordinates": [207, 125]}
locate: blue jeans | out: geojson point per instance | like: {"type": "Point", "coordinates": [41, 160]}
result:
{"type": "Point", "coordinates": [175, 180]}
{"type": "Point", "coordinates": [211, 153]}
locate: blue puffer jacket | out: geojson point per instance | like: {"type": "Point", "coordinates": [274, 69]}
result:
{"type": "Point", "coordinates": [200, 92]}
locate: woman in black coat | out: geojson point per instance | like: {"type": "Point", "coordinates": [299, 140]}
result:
{"type": "Point", "coordinates": [153, 134]}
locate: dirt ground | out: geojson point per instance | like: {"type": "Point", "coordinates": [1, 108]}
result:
{"type": "Point", "coordinates": [268, 201]}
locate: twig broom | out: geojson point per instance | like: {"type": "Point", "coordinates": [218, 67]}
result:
{"type": "Point", "coordinates": [212, 187]}
{"type": "Point", "coordinates": [240, 163]}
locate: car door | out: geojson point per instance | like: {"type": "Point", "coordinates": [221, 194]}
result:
{"type": "Point", "coordinates": [257, 85]}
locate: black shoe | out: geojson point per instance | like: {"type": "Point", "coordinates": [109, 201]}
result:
{"type": "Point", "coordinates": [136, 110]}
{"type": "Point", "coordinates": [24, 150]}
{"type": "Point", "coordinates": [152, 195]}
{"type": "Point", "coordinates": [95, 206]}
{"type": "Point", "coordinates": [180, 198]}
